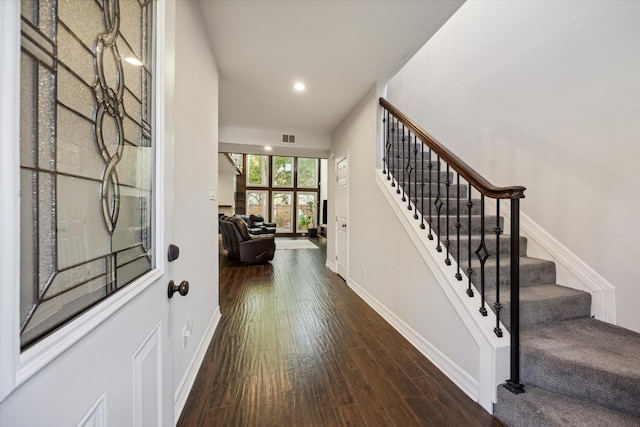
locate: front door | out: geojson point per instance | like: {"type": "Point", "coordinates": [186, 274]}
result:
{"type": "Point", "coordinates": [341, 218]}
{"type": "Point", "coordinates": [88, 340]}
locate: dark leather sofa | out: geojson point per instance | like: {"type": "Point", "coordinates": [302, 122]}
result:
{"type": "Point", "coordinates": [256, 225]}
{"type": "Point", "coordinates": [241, 246]}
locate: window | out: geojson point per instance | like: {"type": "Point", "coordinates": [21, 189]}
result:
{"type": "Point", "coordinates": [258, 203]}
{"type": "Point", "coordinates": [283, 211]}
{"type": "Point", "coordinates": [257, 170]}
{"type": "Point", "coordinates": [283, 189]}
{"type": "Point", "coordinates": [282, 171]}
{"type": "Point", "coordinates": [307, 211]}
{"type": "Point", "coordinates": [86, 162]}
{"type": "Point", "coordinates": [307, 173]}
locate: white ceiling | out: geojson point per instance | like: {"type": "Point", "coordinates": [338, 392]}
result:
{"type": "Point", "coordinates": [338, 48]}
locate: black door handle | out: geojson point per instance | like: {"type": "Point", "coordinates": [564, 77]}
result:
{"type": "Point", "coordinates": [182, 288]}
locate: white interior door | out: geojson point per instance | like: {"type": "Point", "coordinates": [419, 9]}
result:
{"type": "Point", "coordinates": [111, 364]}
{"type": "Point", "coordinates": [341, 217]}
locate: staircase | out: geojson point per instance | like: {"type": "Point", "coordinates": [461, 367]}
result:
{"type": "Point", "coordinates": [576, 370]}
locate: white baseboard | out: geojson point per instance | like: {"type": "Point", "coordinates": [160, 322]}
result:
{"type": "Point", "coordinates": [331, 266]}
{"type": "Point", "coordinates": [182, 391]}
{"type": "Point", "coordinates": [458, 375]}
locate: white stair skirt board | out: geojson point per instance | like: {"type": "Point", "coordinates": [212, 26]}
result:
{"type": "Point", "coordinates": [494, 353]}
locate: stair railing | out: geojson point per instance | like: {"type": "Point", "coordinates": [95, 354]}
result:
{"type": "Point", "coordinates": [414, 159]}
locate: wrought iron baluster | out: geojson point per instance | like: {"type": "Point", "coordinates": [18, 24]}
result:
{"type": "Point", "coordinates": [430, 218]}
{"type": "Point", "coordinates": [458, 225]}
{"type": "Point", "coordinates": [497, 305]}
{"type": "Point", "coordinates": [415, 177]}
{"type": "Point", "coordinates": [400, 160]}
{"type": "Point", "coordinates": [482, 254]}
{"type": "Point", "coordinates": [394, 150]}
{"type": "Point", "coordinates": [385, 147]}
{"type": "Point", "coordinates": [469, 268]}
{"type": "Point", "coordinates": [409, 170]}
{"type": "Point", "coordinates": [447, 242]}
{"type": "Point", "coordinates": [439, 204]}
{"type": "Point", "coordinates": [422, 226]}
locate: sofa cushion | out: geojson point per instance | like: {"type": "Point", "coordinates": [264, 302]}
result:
{"type": "Point", "coordinates": [242, 228]}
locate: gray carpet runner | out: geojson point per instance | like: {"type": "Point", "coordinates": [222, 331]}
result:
{"type": "Point", "coordinates": [577, 371]}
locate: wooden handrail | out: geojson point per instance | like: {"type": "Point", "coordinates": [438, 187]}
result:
{"type": "Point", "coordinates": [465, 171]}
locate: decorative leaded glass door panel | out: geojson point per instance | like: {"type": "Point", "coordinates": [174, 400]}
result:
{"type": "Point", "coordinates": [86, 156]}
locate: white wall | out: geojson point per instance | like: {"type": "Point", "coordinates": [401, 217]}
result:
{"type": "Point", "coordinates": [394, 273]}
{"type": "Point", "coordinates": [196, 170]}
{"type": "Point", "coordinates": [545, 95]}
{"type": "Point", "coordinates": [252, 141]}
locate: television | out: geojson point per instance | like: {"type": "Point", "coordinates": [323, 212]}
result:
{"type": "Point", "coordinates": [324, 212]}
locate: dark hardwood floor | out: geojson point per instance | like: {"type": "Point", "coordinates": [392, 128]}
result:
{"type": "Point", "coordinates": [296, 347]}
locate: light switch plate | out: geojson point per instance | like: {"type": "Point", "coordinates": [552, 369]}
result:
{"type": "Point", "coordinates": [212, 193]}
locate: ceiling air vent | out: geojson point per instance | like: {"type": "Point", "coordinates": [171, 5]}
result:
{"type": "Point", "coordinates": [288, 139]}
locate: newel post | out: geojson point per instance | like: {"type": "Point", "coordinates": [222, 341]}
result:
{"type": "Point", "coordinates": [513, 384]}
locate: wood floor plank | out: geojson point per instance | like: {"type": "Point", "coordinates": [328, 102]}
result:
{"type": "Point", "coordinates": [371, 408]}
{"type": "Point", "coordinates": [297, 347]}
{"type": "Point", "coordinates": [426, 412]}
{"type": "Point", "coordinates": [392, 400]}
{"type": "Point", "coordinates": [338, 388]}
{"type": "Point", "coordinates": [349, 416]}
{"type": "Point", "coordinates": [218, 417]}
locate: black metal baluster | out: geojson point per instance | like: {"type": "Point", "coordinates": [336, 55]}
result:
{"type": "Point", "coordinates": [409, 169]}
{"type": "Point", "coordinates": [439, 204]}
{"type": "Point", "coordinates": [513, 384]}
{"type": "Point", "coordinates": [458, 225]}
{"type": "Point", "coordinates": [497, 305]}
{"type": "Point", "coordinates": [430, 219]}
{"type": "Point", "coordinates": [447, 242]}
{"type": "Point", "coordinates": [385, 131]}
{"type": "Point", "coordinates": [482, 254]}
{"type": "Point", "coordinates": [400, 160]}
{"type": "Point", "coordinates": [394, 150]}
{"type": "Point", "coordinates": [422, 226]}
{"type": "Point", "coordinates": [469, 268]}
{"type": "Point", "coordinates": [415, 177]}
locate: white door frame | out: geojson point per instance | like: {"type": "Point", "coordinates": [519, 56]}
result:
{"type": "Point", "coordinates": [9, 197]}
{"type": "Point", "coordinates": [346, 217]}
{"type": "Point", "coordinates": [15, 366]}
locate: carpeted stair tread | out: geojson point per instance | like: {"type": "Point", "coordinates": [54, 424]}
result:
{"type": "Point", "coordinates": [536, 408]}
{"type": "Point", "coordinates": [453, 205]}
{"type": "Point", "coordinates": [543, 303]}
{"type": "Point", "coordinates": [533, 271]}
{"type": "Point", "coordinates": [586, 359]}
{"type": "Point", "coordinates": [490, 243]}
{"type": "Point", "coordinates": [422, 191]}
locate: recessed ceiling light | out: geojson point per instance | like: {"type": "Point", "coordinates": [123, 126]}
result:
{"type": "Point", "coordinates": [299, 86]}
{"type": "Point", "coordinates": [133, 61]}
{"type": "Point", "coordinates": [267, 148]}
